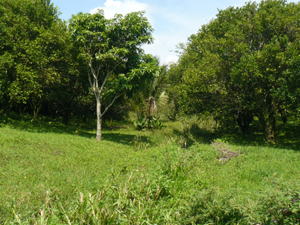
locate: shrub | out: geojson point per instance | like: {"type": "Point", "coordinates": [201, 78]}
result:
{"type": "Point", "coordinates": [151, 123]}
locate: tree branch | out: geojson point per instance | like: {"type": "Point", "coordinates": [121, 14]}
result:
{"type": "Point", "coordinates": [90, 79]}
{"type": "Point", "coordinates": [92, 84]}
{"type": "Point", "coordinates": [117, 96]}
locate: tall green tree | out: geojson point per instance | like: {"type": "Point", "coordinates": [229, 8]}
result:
{"type": "Point", "coordinates": [173, 90]}
{"type": "Point", "coordinates": [34, 52]}
{"type": "Point", "coordinates": [113, 54]}
{"type": "Point", "coordinates": [243, 64]}
{"type": "Point", "coordinates": [154, 87]}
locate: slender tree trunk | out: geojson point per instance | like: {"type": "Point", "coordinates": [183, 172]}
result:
{"type": "Point", "coordinates": [272, 127]}
{"type": "Point", "coordinates": [99, 118]}
{"type": "Point", "coordinates": [36, 110]}
{"type": "Point", "coordinates": [268, 122]}
{"type": "Point", "coordinates": [283, 114]}
{"type": "Point", "coordinates": [244, 120]}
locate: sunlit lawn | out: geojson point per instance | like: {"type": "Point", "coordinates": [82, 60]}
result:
{"type": "Point", "coordinates": [38, 158]}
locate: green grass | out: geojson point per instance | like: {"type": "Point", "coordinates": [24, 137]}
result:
{"type": "Point", "coordinates": [56, 174]}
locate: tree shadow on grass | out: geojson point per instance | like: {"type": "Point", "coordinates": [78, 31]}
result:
{"type": "Point", "coordinates": [287, 137]}
{"type": "Point", "coordinates": [196, 134]}
{"type": "Point", "coordinates": [49, 126]}
{"type": "Point", "coordinates": [126, 139]}
{"type": "Point", "coordinates": [86, 130]}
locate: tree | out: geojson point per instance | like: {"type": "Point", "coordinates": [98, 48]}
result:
{"type": "Point", "coordinates": [113, 54]}
{"type": "Point", "coordinates": [244, 63]}
{"type": "Point", "coordinates": [174, 80]}
{"type": "Point", "coordinates": [152, 87]}
{"type": "Point", "coordinates": [34, 53]}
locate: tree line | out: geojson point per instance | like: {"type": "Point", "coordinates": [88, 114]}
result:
{"type": "Point", "coordinates": [51, 68]}
{"type": "Point", "coordinates": [40, 71]}
{"type": "Point", "coordinates": [244, 63]}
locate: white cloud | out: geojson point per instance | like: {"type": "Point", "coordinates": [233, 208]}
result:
{"type": "Point", "coordinates": [172, 28]}
{"type": "Point", "coordinates": [171, 59]}
{"type": "Point", "coordinates": [165, 40]}
{"type": "Point", "coordinates": [111, 7]}
{"type": "Point", "coordinates": [164, 47]}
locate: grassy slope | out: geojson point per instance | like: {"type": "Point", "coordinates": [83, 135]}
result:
{"type": "Point", "coordinates": [40, 158]}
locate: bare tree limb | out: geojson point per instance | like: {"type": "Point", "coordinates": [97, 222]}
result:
{"type": "Point", "coordinates": [104, 81]}
{"type": "Point", "coordinates": [117, 96]}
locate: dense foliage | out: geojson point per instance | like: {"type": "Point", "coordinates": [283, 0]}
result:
{"type": "Point", "coordinates": [37, 66]}
{"type": "Point", "coordinates": [113, 55]}
{"type": "Point", "coordinates": [43, 62]}
{"type": "Point", "coordinates": [242, 67]}
{"type": "Point", "coordinates": [244, 63]}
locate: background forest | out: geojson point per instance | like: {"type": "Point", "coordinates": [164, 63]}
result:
{"type": "Point", "coordinates": [211, 139]}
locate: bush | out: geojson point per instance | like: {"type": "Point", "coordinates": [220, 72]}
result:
{"type": "Point", "coordinates": [209, 207]}
{"type": "Point", "coordinates": [279, 205]}
{"type": "Point", "coordinates": [199, 129]}
{"type": "Point", "coordinates": [151, 123]}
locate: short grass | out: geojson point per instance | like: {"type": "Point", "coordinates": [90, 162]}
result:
{"type": "Point", "coordinates": [56, 174]}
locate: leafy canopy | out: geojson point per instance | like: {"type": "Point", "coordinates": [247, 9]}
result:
{"type": "Point", "coordinates": [244, 63]}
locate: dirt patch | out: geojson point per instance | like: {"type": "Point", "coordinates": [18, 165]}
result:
{"type": "Point", "coordinates": [225, 153]}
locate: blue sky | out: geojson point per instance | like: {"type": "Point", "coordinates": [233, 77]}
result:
{"type": "Point", "coordinates": [173, 20]}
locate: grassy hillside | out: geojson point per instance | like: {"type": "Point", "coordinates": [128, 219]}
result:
{"type": "Point", "coordinates": [181, 174]}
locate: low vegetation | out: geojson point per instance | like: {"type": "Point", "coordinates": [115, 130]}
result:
{"type": "Point", "coordinates": [227, 154]}
{"type": "Point", "coordinates": [53, 174]}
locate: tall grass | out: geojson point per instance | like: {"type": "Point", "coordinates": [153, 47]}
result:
{"type": "Point", "coordinates": [52, 174]}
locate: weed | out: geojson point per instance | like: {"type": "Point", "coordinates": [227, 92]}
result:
{"type": "Point", "coordinates": [139, 143]}
{"type": "Point", "coordinates": [200, 129]}
{"type": "Point", "coordinates": [150, 122]}
{"type": "Point", "coordinates": [51, 175]}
